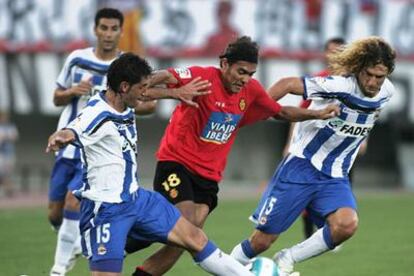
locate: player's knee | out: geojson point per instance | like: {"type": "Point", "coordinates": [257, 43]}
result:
{"type": "Point", "coordinates": [347, 227]}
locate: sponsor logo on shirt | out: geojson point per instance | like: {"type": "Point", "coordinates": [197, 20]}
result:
{"type": "Point", "coordinates": [183, 73]}
{"type": "Point", "coordinates": [349, 129]}
{"type": "Point", "coordinates": [220, 127]}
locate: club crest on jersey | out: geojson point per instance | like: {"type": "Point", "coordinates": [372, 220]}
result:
{"type": "Point", "coordinates": [242, 104]}
{"type": "Point", "coordinates": [220, 127]}
{"type": "Point", "coordinates": [183, 73]}
{"type": "Point", "coordinates": [263, 220]}
{"type": "Point", "coordinates": [173, 193]}
{"type": "Point", "coordinates": [102, 250]}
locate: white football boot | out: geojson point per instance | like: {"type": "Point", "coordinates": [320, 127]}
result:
{"type": "Point", "coordinates": [284, 261]}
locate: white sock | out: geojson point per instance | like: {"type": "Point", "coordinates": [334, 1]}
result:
{"type": "Point", "coordinates": [67, 237]}
{"type": "Point", "coordinates": [311, 247]}
{"type": "Point", "coordinates": [238, 254]}
{"type": "Point", "coordinates": [219, 263]}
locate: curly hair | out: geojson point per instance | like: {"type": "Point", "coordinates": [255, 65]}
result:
{"type": "Point", "coordinates": [362, 53]}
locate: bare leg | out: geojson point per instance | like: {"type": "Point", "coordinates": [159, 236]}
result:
{"type": "Point", "coordinates": [162, 260]}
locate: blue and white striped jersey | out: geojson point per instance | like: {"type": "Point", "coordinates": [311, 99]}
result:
{"type": "Point", "coordinates": [108, 143]}
{"type": "Point", "coordinates": [80, 65]}
{"type": "Point", "coordinates": [332, 145]}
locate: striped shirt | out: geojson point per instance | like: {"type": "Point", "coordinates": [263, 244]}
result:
{"type": "Point", "coordinates": [332, 145]}
{"type": "Point", "coordinates": [108, 143]}
{"type": "Point", "coordinates": [80, 65]}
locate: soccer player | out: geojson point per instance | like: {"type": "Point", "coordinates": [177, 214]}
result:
{"type": "Point", "coordinates": [197, 141]}
{"type": "Point", "coordinates": [331, 46]}
{"type": "Point", "coordinates": [112, 204]}
{"type": "Point", "coordinates": [83, 74]}
{"type": "Point", "coordinates": [315, 173]}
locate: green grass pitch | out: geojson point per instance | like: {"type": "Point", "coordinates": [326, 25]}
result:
{"type": "Point", "coordinates": [383, 245]}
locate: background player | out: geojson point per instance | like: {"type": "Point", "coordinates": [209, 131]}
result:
{"type": "Point", "coordinates": [83, 74]}
{"type": "Point", "coordinates": [315, 173]}
{"type": "Point", "coordinates": [112, 204]}
{"type": "Point", "coordinates": [197, 141]}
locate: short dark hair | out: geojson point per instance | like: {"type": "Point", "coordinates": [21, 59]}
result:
{"type": "Point", "coordinates": [242, 49]}
{"type": "Point", "coordinates": [128, 67]}
{"type": "Point", "coordinates": [109, 13]}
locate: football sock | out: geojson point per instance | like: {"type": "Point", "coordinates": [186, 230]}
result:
{"type": "Point", "coordinates": [243, 252]}
{"type": "Point", "coordinates": [311, 247]}
{"type": "Point", "coordinates": [67, 237]}
{"type": "Point", "coordinates": [214, 261]}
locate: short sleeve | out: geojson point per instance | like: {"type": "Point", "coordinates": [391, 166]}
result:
{"type": "Point", "coordinates": [89, 129]}
{"type": "Point", "coordinates": [261, 108]}
{"type": "Point", "coordinates": [186, 74]}
{"type": "Point", "coordinates": [325, 87]}
{"type": "Point", "coordinates": [64, 79]}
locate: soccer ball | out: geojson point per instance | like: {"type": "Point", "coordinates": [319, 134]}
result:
{"type": "Point", "coordinates": [263, 266]}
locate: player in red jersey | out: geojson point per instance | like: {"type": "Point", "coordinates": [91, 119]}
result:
{"type": "Point", "coordinates": [197, 141]}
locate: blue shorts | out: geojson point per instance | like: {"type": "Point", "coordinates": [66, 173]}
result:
{"type": "Point", "coordinates": [66, 175]}
{"type": "Point", "coordinates": [297, 185]}
{"type": "Point", "coordinates": [105, 226]}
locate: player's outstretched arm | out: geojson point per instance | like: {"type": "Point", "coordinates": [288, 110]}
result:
{"type": "Point", "coordinates": [292, 85]}
{"type": "Point", "coordinates": [185, 93]}
{"type": "Point", "coordinates": [296, 114]}
{"type": "Point", "coordinates": [60, 139]}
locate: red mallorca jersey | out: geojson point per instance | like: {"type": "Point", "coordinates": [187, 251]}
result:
{"type": "Point", "coordinates": [201, 138]}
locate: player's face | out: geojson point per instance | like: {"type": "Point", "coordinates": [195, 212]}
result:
{"type": "Point", "coordinates": [135, 92]}
{"type": "Point", "coordinates": [236, 75]}
{"type": "Point", "coordinates": [370, 79]}
{"type": "Point", "coordinates": [108, 32]}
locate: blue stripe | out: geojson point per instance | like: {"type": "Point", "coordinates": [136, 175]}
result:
{"type": "Point", "coordinates": [128, 175]}
{"type": "Point", "coordinates": [74, 111]}
{"type": "Point", "coordinates": [247, 249]}
{"type": "Point", "coordinates": [352, 101]}
{"type": "Point", "coordinates": [347, 160]}
{"type": "Point", "coordinates": [305, 90]}
{"type": "Point", "coordinates": [330, 159]}
{"type": "Point", "coordinates": [362, 118]}
{"type": "Point", "coordinates": [316, 143]}
{"type": "Point", "coordinates": [72, 215]}
{"type": "Point", "coordinates": [101, 69]}
{"type": "Point", "coordinates": [205, 252]}
{"type": "Point", "coordinates": [97, 80]}
{"type": "Point", "coordinates": [77, 78]}
{"type": "Point", "coordinates": [343, 115]}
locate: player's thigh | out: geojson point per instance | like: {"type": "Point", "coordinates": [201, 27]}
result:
{"type": "Point", "coordinates": [281, 205]}
{"type": "Point", "coordinates": [155, 217]}
{"type": "Point", "coordinates": [173, 181]}
{"type": "Point", "coordinates": [332, 197]}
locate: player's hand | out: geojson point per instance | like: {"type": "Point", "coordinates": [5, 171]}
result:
{"type": "Point", "coordinates": [196, 87]}
{"type": "Point", "coordinates": [328, 112]}
{"type": "Point", "coordinates": [58, 140]}
{"type": "Point", "coordinates": [83, 88]}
